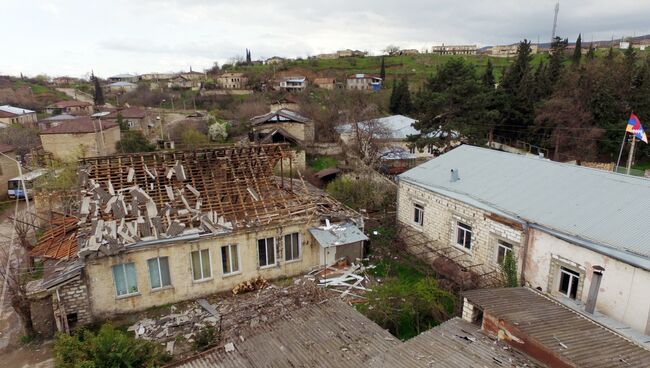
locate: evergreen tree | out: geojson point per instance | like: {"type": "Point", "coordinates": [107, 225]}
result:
{"type": "Point", "coordinates": [630, 60]}
{"type": "Point", "coordinates": [577, 53]}
{"type": "Point", "coordinates": [488, 76]}
{"type": "Point", "coordinates": [400, 98]}
{"type": "Point", "coordinates": [591, 53]}
{"type": "Point", "coordinates": [248, 57]}
{"type": "Point", "coordinates": [557, 57]}
{"type": "Point", "coordinates": [98, 97]}
{"type": "Point", "coordinates": [518, 70]}
{"type": "Point", "coordinates": [610, 54]}
{"type": "Point", "coordinates": [382, 71]}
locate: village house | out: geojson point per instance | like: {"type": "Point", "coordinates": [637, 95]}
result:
{"type": "Point", "coordinates": [121, 87]}
{"type": "Point", "coordinates": [63, 81]}
{"type": "Point", "coordinates": [286, 102]}
{"type": "Point", "coordinates": [511, 50]}
{"type": "Point", "coordinates": [283, 125]}
{"type": "Point", "coordinates": [81, 137]}
{"type": "Point", "coordinates": [135, 118]}
{"type": "Point", "coordinates": [163, 227]}
{"type": "Point", "coordinates": [192, 75]}
{"type": "Point", "coordinates": [363, 82]}
{"type": "Point", "coordinates": [17, 115]}
{"type": "Point", "coordinates": [325, 83]}
{"type": "Point", "coordinates": [350, 53]}
{"type": "Point", "coordinates": [232, 81]}
{"type": "Point", "coordinates": [454, 49]}
{"type": "Point", "coordinates": [72, 107]}
{"type": "Point", "coordinates": [123, 78]}
{"type": "Point", "coordinates": [567, 226]}
{"type": "Point", "coordinates": [293, 84]}
{"type": "Point", "coordinates": [183, 82]}
{"type": "Point", "coordinates": [8, 168]}
{"type": "Point", "coordinates": [54, 120]}
{"type": "Point", "coordinates": [408, 52]}
{"type": "Point", "coordinates": [275, 60]}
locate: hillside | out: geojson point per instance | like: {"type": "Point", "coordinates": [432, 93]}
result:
{"type": "Point", "coordinates": [31, 94]}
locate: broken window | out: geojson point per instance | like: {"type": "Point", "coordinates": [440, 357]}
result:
{"type": "Point", "coordinates": [159, 272]}
{"type": "Point", "coordinates": [230, 259]}
{"type": "Point", "coordinates": [266, 251]}
{"type": "Point", "coordinates": [125, 280]}
{"type": "Point", "coordinates": [201, 268]}
{"type": "Point", "coordinates": [292, 247]}
{"type": "Point", "coordinates": [464, 235]}
{"type": "Point", "coordinates": [569, 281]}
{"type": "Point", "coordinates": [503, 248]}
{"type": "Point", "coordinates": [418, 214]}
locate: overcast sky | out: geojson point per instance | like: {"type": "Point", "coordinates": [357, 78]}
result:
{"type": "Point", "coordinates": [73, 37]}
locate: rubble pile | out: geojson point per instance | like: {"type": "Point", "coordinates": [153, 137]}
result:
{"type": "Point", "coordinates": [348, 280]}
{"type": "Point", "coordinates": [251, 285]}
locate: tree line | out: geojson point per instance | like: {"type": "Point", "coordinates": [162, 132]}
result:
{"type": "Point", "coordinates": [573, 103]}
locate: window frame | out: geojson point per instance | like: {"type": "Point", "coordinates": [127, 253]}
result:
{"type": "Point", "coordinates": [572, 275]}
{"type": "Point", "coordinates": [502, 244]}
{"type": "Point", "coordinates": [465, 228]}
{"type": "Point", "coordinates": [275, 258]}
{"type": "Point", "coordinates": [299, 237]}
{"type": "Point", "coordinates": [169, 276]}
{"type": "Point", "coordinates": [230, 258]}
{"type": "Point", "coordinates": [126, 281]}
{"type": "Point", "coordinates": [418, 210]}
{"type": "Point", "coordinates": [200, 252]}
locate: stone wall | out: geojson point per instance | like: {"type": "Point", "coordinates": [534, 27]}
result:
{"type": "Point", "coordinates": [71, 305]}
{"type": "Point", "coordinates": [441, 215]}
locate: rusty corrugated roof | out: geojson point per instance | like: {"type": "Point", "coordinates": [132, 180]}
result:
{"type": "Point", "coordinates": [59, 241]}
{"type": "Point", "coordinates": [572, 336]}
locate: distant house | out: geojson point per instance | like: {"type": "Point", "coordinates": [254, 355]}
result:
{"type": "Point", "coordinates": [325, 83]}
{"type": "Point", "coordinates": [122, 87]}
{"type": "Point", "coordinates": [283, 125]}
{"type": "Point", "coordinates": [409, 52]}
{"type": "Point", "coordinates": [293, 84]}
{"type": "Point", "coordinates": [17, 115]}
{"type": "Point", "coordinates": [123, 78]}
{"type": "Point", "coordinates": [363, 82]}
{"type": "Point", "coordinates": [136, 118]}
{"type": "Point", "coordinates": [287, 102]}
{"type": "Point", "coordinates": [82, 136]}
{"type": "Point", "coordinates": [350, 53]}
{"type": "Point", "coordinates": [70, 107]}
{"type": "Point", "coordinates": [275, 60]}
{"type": "Point", "coordinates": [156, 76]}
{"type": "Point", "coordinates": [63, 81]}
{"type": "Point", "coordinates": [232, 81]}
{"type": "Point", "coordinates": [192, 75]}
{"type": "Point", "coordinates": [184, 83]}
{"type": "Point", "coordinates": [8, 168]}
{"type": "Point", "coordinates": [54, 120]}
{"type": "Point", "coordinates": [511, 50]}
{"type": "Point", "coordinates": [327, 56]}
{"type": "Point", "coordinates": [454, 49]}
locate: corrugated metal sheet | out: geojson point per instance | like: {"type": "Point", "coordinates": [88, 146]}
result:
{"type": "Point", "coordinates": [570, 335]}
{"type": "Point", "coordinates": [331, 334]}
{"type": "Point", "coordinates": [15, 110]}
{"type": "Point", "coordinates": [455, 343]}
{"type": "Point", "coordinates": [599, 206]}
{"type": "Point", "coordinates": [338, 234]}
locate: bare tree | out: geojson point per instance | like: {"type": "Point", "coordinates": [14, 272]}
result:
{"type": "Point", "coordinates": [16, 277]}
{"type": "Point", "coordinates": [391, 49]}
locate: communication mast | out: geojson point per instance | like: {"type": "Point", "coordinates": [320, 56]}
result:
{"type": "Point", "coordinates": [557, 10]}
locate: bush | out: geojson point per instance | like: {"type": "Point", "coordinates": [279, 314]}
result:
{"type": "Point", "coordinates": [204, 338]}
{"type": "Point", "coordinates": [108, 348]}
{"type": "Point", "coordinates": [362, 193]}
{"type": "Point", "coordinates": [133, 141]}
{"type": "Point", "coordinates": [408, 308]}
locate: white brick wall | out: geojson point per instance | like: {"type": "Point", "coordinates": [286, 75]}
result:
{"type": "Point", "coordinates": [441, 214]}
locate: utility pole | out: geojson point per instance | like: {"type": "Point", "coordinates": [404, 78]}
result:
{"type": "Point", "coordinates": [630, 155]}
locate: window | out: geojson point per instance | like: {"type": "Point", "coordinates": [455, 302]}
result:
{"type": "Point", "coordinates": [569, 280]}
{"type": "Point", "coordinates": [266, 251]}
{"type": "Point", "coordinates": [230, 259]}
{"type": "Point", "coordinates": [292, 247]}
{"type": "Point", "coordinates": [201, 268]}
{"type": "Point", "coordinates": [159, 272]}
{"type": "Point", "coordinates": [503, 248]}
{"type": "Point", "coordinates": [464, 235]}
{"type": "Point", "coordinates": [124, 277]}
{"type": "Point", "coordinates": [418, 214]}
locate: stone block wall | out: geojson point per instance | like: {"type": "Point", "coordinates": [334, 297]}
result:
{"type": "Point", "coordinates": [441, 215]}
{"type": "Point", "coordinates": [74, 300]}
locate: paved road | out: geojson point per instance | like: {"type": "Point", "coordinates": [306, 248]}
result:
{"type": "Point", "coordinates": [79, 95]}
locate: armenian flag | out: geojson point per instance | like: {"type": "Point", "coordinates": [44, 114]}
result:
{"type": "Point", "coordinates": [634, 126]}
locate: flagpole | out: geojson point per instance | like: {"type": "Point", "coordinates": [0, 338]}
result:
{"type": "Point", "coordinates": [630, 155]}
{"type": "Point", "coordinates": [620, 153]}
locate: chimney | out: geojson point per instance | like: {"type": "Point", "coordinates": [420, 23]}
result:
{"type": "Point", "coordinates": [455, 175]}
{"type": "Point", "coordinates": [597, 276]}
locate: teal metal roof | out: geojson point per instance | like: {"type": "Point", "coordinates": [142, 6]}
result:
{"type": "Point", "coordinates": [597, 208]}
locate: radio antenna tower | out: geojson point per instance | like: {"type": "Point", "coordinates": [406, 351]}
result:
{"type": "Point", "coordinates": [557, 10]}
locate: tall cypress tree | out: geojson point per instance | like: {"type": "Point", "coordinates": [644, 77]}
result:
{"type": "Point", "coordinates": [557, 57]}
{"type": "Point", "coordinates": [591, 54]}
{"type": "Point", "coordinates": [382, 72]}
{"type": "Point", "coordinates": [488, 76]}
{"type": "Point", "coordinates": [577, 53]}
{"type": "Point", "coordinates": [98, 97]}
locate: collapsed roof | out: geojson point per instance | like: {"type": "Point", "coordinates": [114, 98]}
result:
{"type": "Point", "coordinates": [280, 116]}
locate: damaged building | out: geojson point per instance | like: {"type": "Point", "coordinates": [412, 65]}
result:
{"type": "Point", "coordinates": [576, 233]}
{"type": "Point", "coordinates": [158, 228]}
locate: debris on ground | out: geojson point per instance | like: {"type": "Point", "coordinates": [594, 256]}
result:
{"type": "Point", "coordinates": [251, 285]}
{"type": "Point", "coordinates": [348, 280]}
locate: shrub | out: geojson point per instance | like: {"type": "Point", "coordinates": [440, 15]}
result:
{"type": "Point", "coordinates": [509, 269]}
{"type": "Point", "coordinates": [133, 141]}
{"type": "Point", "coordinates": [204, 338]}
{"type": "Point", "coordinates": [362, 193]}
{"type": "Point", "coordinates": [107, 348]}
